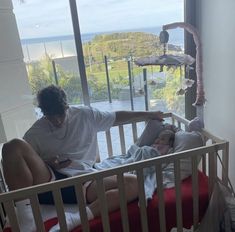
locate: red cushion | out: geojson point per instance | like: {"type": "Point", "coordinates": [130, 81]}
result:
{"type": "Point", "coordinates": [152, 209]}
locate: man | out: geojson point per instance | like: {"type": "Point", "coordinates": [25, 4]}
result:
{"type": "Point", "coordinates": [63, 143]}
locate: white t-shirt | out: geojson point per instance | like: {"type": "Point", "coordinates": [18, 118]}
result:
{"type": "Point", "coordinates": [76, 139]}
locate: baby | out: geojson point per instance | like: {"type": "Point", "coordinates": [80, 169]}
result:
{"type": "Point", "coordinates": [164, 142]}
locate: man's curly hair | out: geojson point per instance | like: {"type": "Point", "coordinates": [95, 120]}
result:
{"type": "Point", "coordinates": [52, 100]}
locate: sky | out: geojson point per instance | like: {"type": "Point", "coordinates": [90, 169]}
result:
{"type": "Point", "coordinates": [40, 18]}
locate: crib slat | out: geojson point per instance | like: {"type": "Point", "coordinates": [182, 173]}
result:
{"type": "Point", "coordinates": [98, 151]}
{"type": "Point", "coordinates": [179, 124]}
{"type": "Point", "coordinates": [123, 203]}
{"type": "Point", "coordinates": [2, 215]}
{"type": "Point", "coordinates": [212, 170]}
{"type": "Point", "coordinates": [160, 194]}
{"type": "Point", "coordinates": [109, 143]}
{"type": "Point", "coordinates": [142, 201]}
{"type": "Point", "coordinates": [178, 118]}
{"type": "Point", "coordinates": [60, 209]}
{"type": "Point", "coordinates": [178, 195]}
{"type": "Point", "coordinates": [134, 132]}
{"type": "Point", "coordinates": [36, 213]}
{"type": "Point", "coordinates": [82, 207]}
{"type": "Point", "coordinates": [122, 139]}
{"type": "Point", "coordinates": [225, 161]}
{"type": "Point", "coordinates": [215, 161]}
{"type": "Point", "coordinates": [204, 164]}
{"type": "Point", "coordinates": [195, 192]}
{"type": "Point", "coordinates": [10, 211]}
{"type": "Point", "coordinates": [1, 225]}
{"type": "Point", "coordinates": [103, 205]}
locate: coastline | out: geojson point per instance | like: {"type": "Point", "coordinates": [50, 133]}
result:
{"type": "Point", "coordinates": [176, 36]}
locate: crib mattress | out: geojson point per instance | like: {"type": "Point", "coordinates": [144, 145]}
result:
{"type": "Point", "coordinates": [152, 210]}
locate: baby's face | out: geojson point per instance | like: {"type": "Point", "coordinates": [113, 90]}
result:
{"type": "Point", "coordinates": [163, 139]}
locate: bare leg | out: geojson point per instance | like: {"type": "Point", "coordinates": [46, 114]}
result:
{"type": "Point", "coordinates": [112, 197]}
{"type": "Point", "coordinates": [111, 193]}
{"type": "Point", "coordinates": [22, 166]}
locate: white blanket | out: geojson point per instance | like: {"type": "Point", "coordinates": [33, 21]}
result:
{"type": "Point", "coordinates": [134, 154]}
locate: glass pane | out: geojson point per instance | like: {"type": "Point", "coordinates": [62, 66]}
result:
{"type": "Point", "coordinates": [48, 45]}
{"type": "Point", "coordinates": [126, 31]}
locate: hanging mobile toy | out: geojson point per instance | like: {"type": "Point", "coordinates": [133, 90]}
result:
{"type": "Point", "coordinates": [164, 38]}
{"type": "Point", "coordinates": [200, 97]}
{"type": "Point", "coordinates": [170, 60]}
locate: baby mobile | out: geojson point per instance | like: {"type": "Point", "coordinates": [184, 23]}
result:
{"type": "Point", "coordinates": [170, 60]}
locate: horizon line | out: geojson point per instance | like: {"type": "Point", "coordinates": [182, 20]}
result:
{"type": "Point", "coordinates": [89, 33]}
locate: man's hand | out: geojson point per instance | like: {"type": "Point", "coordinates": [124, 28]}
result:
{"type": "Point", "coordinates": [58, 163]}
{"type": "Point", "coordinates": [156, 115]}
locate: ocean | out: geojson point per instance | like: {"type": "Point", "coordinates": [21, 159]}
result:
{"type": "Point", "coordinates": [63, 45]}
{"type": "Point", "coordinates": [176, 36]}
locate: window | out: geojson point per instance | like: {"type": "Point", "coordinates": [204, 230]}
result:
{"type": "Point", "coordinates": [113, 36]}
{"type": "Point", "coordinates": [115, 33]}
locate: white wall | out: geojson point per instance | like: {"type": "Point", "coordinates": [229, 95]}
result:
{"type": "Point", "coordinates": [217, 26]}
{"type": "Point", "coordinates": [16, 110]}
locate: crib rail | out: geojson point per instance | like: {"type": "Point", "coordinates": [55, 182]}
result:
{"type": "Point", "coordinates": [208, 165]}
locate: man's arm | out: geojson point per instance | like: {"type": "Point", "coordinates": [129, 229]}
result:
{"type": "Point", "coordinates": [127, 116]}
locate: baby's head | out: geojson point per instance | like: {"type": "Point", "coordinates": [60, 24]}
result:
{"type": "Point", "coordinates": [166, 137]}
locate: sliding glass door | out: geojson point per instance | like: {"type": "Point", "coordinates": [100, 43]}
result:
{"type": "Point", "coordinates": [90, 49]}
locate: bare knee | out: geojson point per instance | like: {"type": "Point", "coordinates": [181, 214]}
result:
{"type": "Point", "coordinates": [131, 181]}
{"type": "Point", "coordinates": [131, 185]}
{"type": "Point", "coordinates": [12, 147]}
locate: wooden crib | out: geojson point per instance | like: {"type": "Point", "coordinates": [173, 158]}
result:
{"type": "Point", "coordinates": [208, 166]}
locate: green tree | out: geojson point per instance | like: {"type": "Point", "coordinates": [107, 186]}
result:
{"type": "Point", "coordinates": [168, 91]}
{"type": "Point", "coordinates": [41, 74]}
